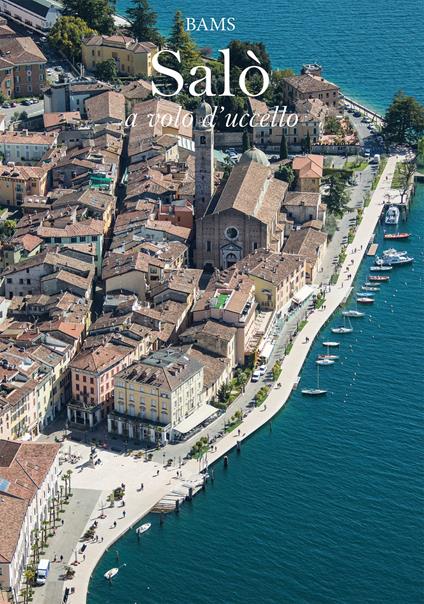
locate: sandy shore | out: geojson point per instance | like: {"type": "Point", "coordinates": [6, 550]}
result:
{"type": "Point", "coordinates": [117, 468]}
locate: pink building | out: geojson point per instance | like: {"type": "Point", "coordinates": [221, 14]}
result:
{"type": "Point", "coordinates": [92, 372]}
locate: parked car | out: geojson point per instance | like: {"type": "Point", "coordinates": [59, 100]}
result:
{"type": "Point", "coordinates": [357, 114]}
{"type": "Point", "coordinates": [255, 376]}
{"type": "Point", "coordinates": [26, 102]}
{"type": "Point", "coordinates": [13, 104]}
{"type": "Point", "coordinates": [262, 369]}
{"type": "Point", "coordinates": [6, 105]}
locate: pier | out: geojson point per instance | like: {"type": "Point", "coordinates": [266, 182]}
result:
{"type": "Point", "coordinates": [372, 250]}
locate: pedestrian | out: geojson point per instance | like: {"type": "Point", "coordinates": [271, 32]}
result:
{"type": "Point", "coordinates": [61, 557]}
{"type": "Point", "coordinates": [124, 513]}
{"type": "Point", "coordinates": [114, 524]}
{"type": "Point", "coordinates": [54, 559]}
{"type": "Point", "coordinates": [142, 487]}
{"type": "Point", "coordinates": [63, 522]}
{"type": "Point", "coordinates": [101, 540]}
{"type": "Point", "coordinates": [83, 557]}
{"type": "Point", "coordinates": [123, 503]}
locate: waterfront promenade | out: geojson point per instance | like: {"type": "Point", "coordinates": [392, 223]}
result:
{"type": "Point", "coordinates": [115, 468]}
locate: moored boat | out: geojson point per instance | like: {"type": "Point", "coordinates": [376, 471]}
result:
{"type": "Point", "coordinates": [381, 278]}
{"type": "Point", "coordinates": [370, 288]}
{"type": "Point", "coordinates": [314, 391]}
{"type": "Point", "coordinates": [397, 235]}
{"type": "Point", "coordinates": [364, 300]}
{"type": "Point", "coordinates": [332, 357]}
{"type": "Point", "coordinates": [111, 573]}
{"type": "Point", "coordinates": [331, 344]}
{"type": "Point", "coordinates": [143, 528]}
{"type": "Point", "coordinates": [392, 215]}
{"type": "Point", "coordinates": [353, 314]}
{"type": "Point", "coordinates": [381, 268]}
{"type": "Point", "coordinates": [325, 361]}
{"type": "Point", "coordinates": [342, 329]}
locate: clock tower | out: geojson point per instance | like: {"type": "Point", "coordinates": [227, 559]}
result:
{"type": "Point", "coordinates": [204, 159]}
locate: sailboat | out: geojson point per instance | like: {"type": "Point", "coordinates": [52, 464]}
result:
{"type": "Point", "coordinates": [330, 357]}
{"type": "Point", "coordinates": [314, 391]}
{"type": "Point", "coordinates": [381, 268]}
{"type": "Point", "coordinates": [325, 361]}
{"type": "Point", "coordinates": [353, 313]}
{"type": "Point", "coordinates": [331, 344]}
{"type": "Point", "coordinates": [343, 329]}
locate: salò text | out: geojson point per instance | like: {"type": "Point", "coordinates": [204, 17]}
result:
{"type": "Point", "coordinates": [203, 85]}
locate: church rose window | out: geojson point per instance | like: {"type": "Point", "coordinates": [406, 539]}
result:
{"type": "Point", "coordinates": [231, 233]}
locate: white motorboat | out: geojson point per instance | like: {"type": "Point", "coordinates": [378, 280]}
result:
{"type": "Point", "coordinates": [314, 391]}
{"type": "Point", "coordinates": [143, 528]}
{"type": "Point", "coordinates": [381, 268]}
{"type": "Point", "coordinates": [111, 573]}
{"type": "Point", "coordinates": [393, 252]}
{"type": "Point", "coordinates": [353, 314]}
{"type": "Point", "coordinates": [370, 288]}
{"type": "Point", "coordinates": [325, 361]}
{"type": "Point", "coordinates": [331, 344]}
{"type": "Point", "coordinates": [332, 357]}
{"type": "Point", "coordinates": [393, 260]}
{"type": "Point", "coordinates": [392, 215]}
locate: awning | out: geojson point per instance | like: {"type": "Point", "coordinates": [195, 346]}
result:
{"type": "Point", "coordinates": [303, 294]}
{"type": "Point", "coordinates": [266, 350]}
{"type": "Point", "coordinates": [196, 418]}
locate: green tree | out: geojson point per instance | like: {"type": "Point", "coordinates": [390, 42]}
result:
{"type": "Point", "coordinates": [67, 34]}
{"type": "Point", "coordinates": [420, 154]}
{"type": "Point", "coordinates": [240, 58]}
{"type": "Point", "coordinates": [337, 196]}
{"type": "Point", "coordinates": [23, 116]}
{"type": "Point", "coordinates": [332, 125]}
{"type": "Point", "coordinates": [285, 172]}
{"type": "Point", "coordinates": [284, 150]}
{"type": "Point", "coordinates": [7, 228]}
{"type": "Point", "coordinates": [246, 141]}
{"type": "Point", "coordinates": [308, 145]}
{"type": "Point", "coordinates": [107, 71]}
{"type": "Point", "coordinates": [404, 120]}
{"type": "Point", "coordinates": [143, 22]}
{"type": "Point", "coordinates": [181, 40]}
{"type": "Point", "coordinates": [98, 14]}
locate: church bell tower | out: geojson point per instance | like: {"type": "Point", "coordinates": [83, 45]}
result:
{"type": "Point", "coordinates": [204, 159]}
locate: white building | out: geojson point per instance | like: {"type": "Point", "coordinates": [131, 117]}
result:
{"type": "Point", "coordinates": [24, 146]}
{"type": "Point", "coordinates": [29, 474]}
{"type": "Point", "coordinates": [39, 15]}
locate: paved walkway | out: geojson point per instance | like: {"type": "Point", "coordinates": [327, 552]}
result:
{"type": "Point", "coordinates": [115, 469]}
{"type": "Point", "coordinates": [77, 514]}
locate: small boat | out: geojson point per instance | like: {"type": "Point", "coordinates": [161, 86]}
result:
{"type": "Point", "coordinates": [379, 278]}
{"type": "Point", "coordinates": [393, 259]}
{"type": "Point", "coordinates": [314, 391]}
{"type": "Point", "coordinates": [353, 314]}
{"type": "Point", "coordinates": [343, 329]}
{"type": "Point", "coordinates": [331, 344]}
{"type": "Point", "coordinates": [381, 268]}
{"type": "Point", "coordinates": [370, 288]}
{"type": "Point", "coordinates": [332, 357]}
{"type": "Point", "coordinates": [397, 235]}
{"type": "Point", "coordinates": [392, 215]}
{"type": "Point", "coordinates": [111, 573]}
{"type": "Point", "coordinates": [365, 294]}
{"type": "Point", "coordinates": [365, 300]}
{"type": "Point", "coordinates": [325, 361]}
{"type": "Point", "coordinates": [143, 528]}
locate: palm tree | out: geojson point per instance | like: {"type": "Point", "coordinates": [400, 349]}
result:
{"type": "Point", "coordinates": [35, 538]}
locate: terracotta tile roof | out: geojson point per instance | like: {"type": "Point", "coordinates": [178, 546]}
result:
{"type": "Point", "coordinates": [120, 41]}
{"type": "Point", "coordinates": [19, 51]}
{"type": "Point", "coordinates": [170, 229]}
{"type": "Point", "coordinates": [308, 83]}
{"type": "Point", "coordinates": [74, 330]}
{"type": "Point", "coordinates": [52, 120]}
{"type": "Point", "coordinates": [305, 242]}
{"type": "Point", "coordinates": [211, 328]}
{"type": "Point", "coordinates": [32, 138]}
{"type": "Point", "coordinates": [29, 242]}
{"type": "Point", "coordinates": [299, 198]}
{"type": "Point", "coordinates": [23, 172]}
{"type": "Point", "coordinates": [83, 228]}
{"type": "Point", "coordinates": [24, 467]}
{"type": "Point", "coordinates": [213, 366]}
{"type": "Point", "coordinates": [251, 189]}
{"type": "Point", "coordinates": [99, 360]}
{"type": "Point", "coordinates": [270, 266]}
{"type": "Point", "coordinates": [106, 105]}
{"type": "Point", "coordinates": [139, 89]}
{"type": "Point", "coordinates": [309, 166]}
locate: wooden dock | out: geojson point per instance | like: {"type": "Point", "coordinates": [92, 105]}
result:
{"type": "Point", "coordinates": [372, 250]}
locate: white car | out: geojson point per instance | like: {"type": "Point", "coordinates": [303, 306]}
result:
{"type": "Point", "coordinates": [262, 369]}
{"type": "Point", "coordinates": [255, 376]}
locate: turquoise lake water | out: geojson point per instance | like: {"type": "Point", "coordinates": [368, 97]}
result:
{"type": "Point", "coordinates": [371, 49]}
{"type": "Point", "coordinates": [327, 507]}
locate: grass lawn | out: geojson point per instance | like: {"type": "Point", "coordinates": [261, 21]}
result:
{"type": "Point", "coordinates": [377, 177]}
{"type": "Point", "coordinates": [233, 425]}
{"type": "Point", "coordinates": [356, 165]}
{"type": "Point", "coordinates": [398, 176]}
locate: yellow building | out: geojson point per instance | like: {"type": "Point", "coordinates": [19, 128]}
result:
{"type": "Point", "coordinates": [131, 57]}
{"type": "Point", "coordinates": [159, 398]}
{"type": "Point", "coordinates": [18, 181]}
{"type": "Point", "coordinates": [277, 277]}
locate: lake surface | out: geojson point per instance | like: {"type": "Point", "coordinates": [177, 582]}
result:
{"type": "Point", "coordinates": [327, 507]}
{"type": "Point", "coordinates": [371, 49]}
